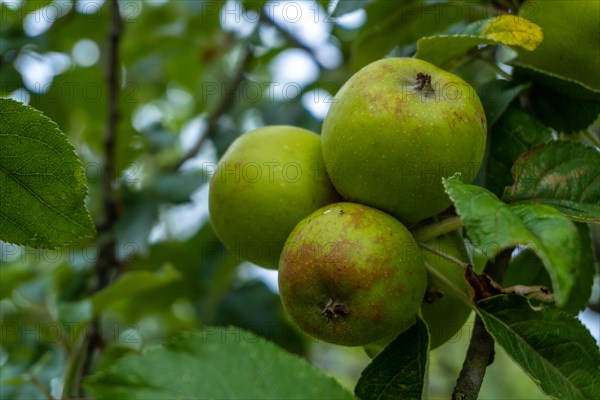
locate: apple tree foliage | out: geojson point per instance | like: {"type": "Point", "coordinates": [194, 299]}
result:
{"type": "Point", "coordinates": [181, 317]}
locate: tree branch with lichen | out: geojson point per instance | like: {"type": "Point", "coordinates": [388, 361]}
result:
{"type": "Point", "coordinates": [480, 353]}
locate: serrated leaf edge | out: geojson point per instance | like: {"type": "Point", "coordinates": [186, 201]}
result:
{"type": "Point", "coordinates": [55, 128]}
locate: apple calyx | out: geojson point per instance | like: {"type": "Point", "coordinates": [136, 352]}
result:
{"type": "Point", "coordinates": [424, 83]}
{"type": "Point", "coordinates": [333, 309]}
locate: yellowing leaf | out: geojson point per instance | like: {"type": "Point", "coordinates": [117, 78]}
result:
{"type": "Point", "coordinates": [514, 30]}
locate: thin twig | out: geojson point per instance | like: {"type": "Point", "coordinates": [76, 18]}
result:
{"type": "Point", "coordinates": [107, 259]}
{"type": "Point", "coordinates": [226, 103]}
{"type": "Point", "coordinates": [448, 257]}
{"type": "Point", "coordinates": [291, 39]}
{"type": "Point", "coordinates": [40, 386]}
{"type": "Point", "coordinates": [481, 347]}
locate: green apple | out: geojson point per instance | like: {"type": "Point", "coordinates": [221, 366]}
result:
{"type": "Point", "coordinates": [265, 183]}
{"type": "Point", "coordinates": [443, 312]}
{"type": "Point", "coordinates": [350, 274]}
{"type": "Point", "coordinates": [395, 128]}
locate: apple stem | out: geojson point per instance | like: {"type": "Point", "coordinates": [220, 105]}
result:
{"type": "Point", "coordinates": [424, 83]}
{"type": "Point", "coordinates": [334, 308]}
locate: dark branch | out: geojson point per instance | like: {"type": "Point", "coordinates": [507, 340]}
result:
{"type": "Point", "coordinates": [110, 134]}
{"type": "Point", "coordinates": [223, 107]}
{"type": "Point", "coordinates": [107, 259]}
{"type": "Point", "coordinates": [479, 355]}
{"type": "Point", "coordinates": [481, 348]}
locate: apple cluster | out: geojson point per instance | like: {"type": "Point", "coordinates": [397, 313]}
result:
{"type": "Point", "coordinates": [332, 212]}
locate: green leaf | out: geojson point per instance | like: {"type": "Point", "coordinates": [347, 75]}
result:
{"type": "Point", "coordinates": [494, 226]}
{"type": "Point", "coordinates": [515, 133]}
{"type": "Point", "coordinates": [526, 269]}
{"type": "Point", "coordinates": [571, 39]}
{"type": "Point", "coordinates": [12, 276]}
{"type": "Point", "coordinates": [400, 370]}
{"type": "Point", "coordinates": [562, 103]}
{"type": "Point", "coordinates": [551, 346]}
{"type": "Point", "coordinates": [584, 280]}
{"type": "Point", "coordinates": [391, 23]}
{"type": "Point", "coordinates": [222, 363]}
{"type": "Point", "coordinates": [42, 183]}
{"type": "Point", "coordinates": [561, 174]}
{"type": "Point", "coordinates": [207, 267]}
{"type": "Point", "coordinates": [445, 50]}
{"type": "Point", "coordinates": [554, 234]}
{"type": "Point", "coordinates": [254, 307]}
{"type": "Point", "coordinates": [133, 284]}
{"type": "Point", "coordinates": [475, 71]}
{"type": "Point", "coordinates": [76, 98]}
{"type": "Point", "coordinates": [496, 96]}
